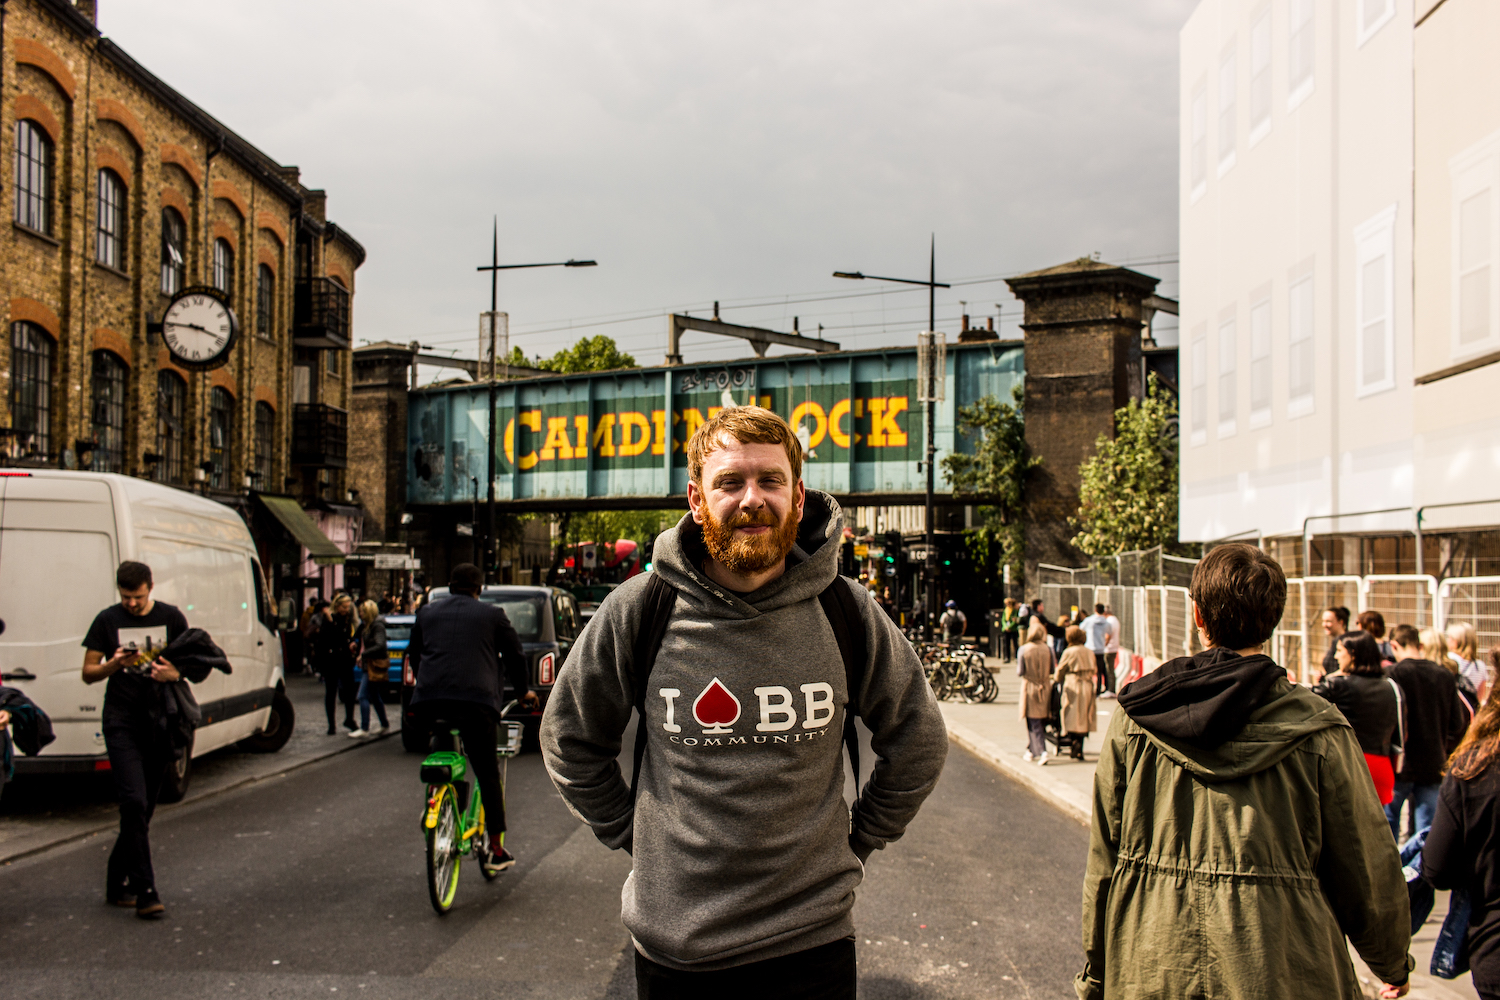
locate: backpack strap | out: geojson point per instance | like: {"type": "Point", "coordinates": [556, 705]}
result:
{"type": "Point", "coordinates": [842, 609]}
{"type": "Point", "coordinates": [656, 611]}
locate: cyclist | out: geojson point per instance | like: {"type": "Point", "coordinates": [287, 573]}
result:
{"type": "Point", "coordinates": [456, 651]}
{"type": "Point", "coordinates": [953, 622]}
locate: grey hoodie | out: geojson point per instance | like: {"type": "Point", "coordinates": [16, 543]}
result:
{"type": "Point", "coordinates": [744, 847]}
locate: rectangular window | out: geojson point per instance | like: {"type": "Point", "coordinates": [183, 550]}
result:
{"type": "Point", "coordinates": [171, 399]}
{"type": "Point", "coordinates": [1300, 366]}
{"type": "Point", "coordinates": [265, 435]}
{"type": "Point", "coordinates": [1260, 76]}
{"type": "Point", "coordinates": [1198, 151]}
{"type": "Point", "coordinates": [173, 252]}
{"type": "Point", "coordinates": [30, 391]}
{"type": "Point", "coordinates": [1228, 378]}
{"type": "Point", "coordinates": [1200, 388]}
{"type": "Point", "coordinates": [1475, 176]}
{"type": "Point", "coordinates": [1300, 52]}
{"type": "Point", "coordinates": [220, 436]}
{"type": "Point", "coordinates": [1260, 363]}
{"type": "Point", "coordinates": [1228, 98]}
{"type": "Point", "coordinates": [1374, 304]}
{"type": "Point", "coordinates": [33, 177]}
{"type": "Point", "coordinates": [265, 301]}
{"type": "Point", "coordinates": [1373, 14]}
{"type": "Point", "coordinates": [109, 412]}
{"type": "Point", "coordinates": [109, 241]}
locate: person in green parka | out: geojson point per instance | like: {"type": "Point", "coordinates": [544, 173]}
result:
{"type": "Point", "coordinates": [1236, 836]}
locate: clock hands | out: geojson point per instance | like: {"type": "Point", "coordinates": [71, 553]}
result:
{"type": "Point", "coordinates": [191, 326]}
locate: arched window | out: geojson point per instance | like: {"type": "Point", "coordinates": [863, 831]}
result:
{"type": "Point", "coordinates": [171, 399]}
{"type": "Point", "coordinates": [109, 242]}
{"type": "Point", "coordinates": [109, 412]}
{"type": "Point", "coordinates": [265, 439]}
{"type": "Point", "coordinates": [224, 267]}
{"type": "Point", "coordinates": [31, 356]}
{"type": "Point", "coordinates": [33, 177]}
{"type": "Point", "coordinates": [265, 301]}
{"type": "Point", "coordinates": [220, 436]}
{"type": "Point", "coordinates": [173, 252]}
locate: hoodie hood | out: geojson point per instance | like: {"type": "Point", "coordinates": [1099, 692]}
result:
{"type": "Point", "coordinates": [1222, 716]}
{"type": "Point", "coordinates": [811, 566]}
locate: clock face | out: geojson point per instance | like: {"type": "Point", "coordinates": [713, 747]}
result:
{"type": "Point", "coordinates": [199, 328]}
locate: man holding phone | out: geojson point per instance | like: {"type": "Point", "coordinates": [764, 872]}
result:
{"type": "Point", "coordinates": [118, 647]}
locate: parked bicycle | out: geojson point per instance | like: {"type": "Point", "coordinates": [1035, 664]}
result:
{"type": "Point", "coordinates": [453, 821]}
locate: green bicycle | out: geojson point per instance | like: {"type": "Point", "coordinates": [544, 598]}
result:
{"type": "Point", "coordinates": [453, 821]}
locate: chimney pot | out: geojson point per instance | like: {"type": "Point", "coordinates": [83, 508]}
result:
{"type": "Point", "coordinates": [989, 323]}
{"type": "Point", "coordinates": [89, 9]}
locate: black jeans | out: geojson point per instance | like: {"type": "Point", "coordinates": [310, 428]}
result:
{"type": "Point", "coordinates": [338, 681]}
{"type": "Point", "coordinates": [476, 727]}
{"type": "Point", "coordinates": [826, 972]}
{"type": "Point", "coordinates": [1104, 668]}
{"type": "Point", "coordinates": [139, 754]}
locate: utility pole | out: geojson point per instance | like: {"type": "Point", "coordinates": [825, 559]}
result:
{"type": "Point", "coordinates": [929, 390]}
{"type": "Point", "coordinates": [495, 267]}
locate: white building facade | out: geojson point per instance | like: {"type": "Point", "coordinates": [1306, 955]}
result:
{"type": "Point", "coordinates": [1307, 404]}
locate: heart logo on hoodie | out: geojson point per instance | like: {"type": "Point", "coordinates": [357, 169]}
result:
{"type": "Point", "coordinates": [716, 708]}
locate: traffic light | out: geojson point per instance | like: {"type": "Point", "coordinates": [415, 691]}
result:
{"type": "Point", "coordinates": [646, 551]}
{"type": "Point", "coordinates": [895, 564]}
{"type": "Point", "coordinates": [846, 559]}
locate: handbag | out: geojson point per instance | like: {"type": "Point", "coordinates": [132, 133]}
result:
{"type": "Point", "coordinates": [1398, 755]}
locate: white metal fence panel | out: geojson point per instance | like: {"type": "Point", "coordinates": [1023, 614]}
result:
{"type": "Point", "coordinates": [1401, 600]}
{"type": "Point", "coordinates": [1472, 599]}
{"type": "Point", "coordinates": [1289, 641]}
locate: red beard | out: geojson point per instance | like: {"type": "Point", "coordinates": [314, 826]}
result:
{"type": "Point", "coordinates": [749, 553]}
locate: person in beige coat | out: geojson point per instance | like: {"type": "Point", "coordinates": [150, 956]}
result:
{"type": "Point", "coordinates": [1076, 671]}
{"type": "Point", "coordinates": [1035, 663]}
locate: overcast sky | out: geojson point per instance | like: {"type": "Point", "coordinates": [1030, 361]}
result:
{"type": "Point", "coordinates": [738, 151]}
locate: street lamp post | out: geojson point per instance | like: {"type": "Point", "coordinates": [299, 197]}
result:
{"type": "Point", "coordinates": [930, 563]}
{"type": "Point", "coordinates": [495, 267]}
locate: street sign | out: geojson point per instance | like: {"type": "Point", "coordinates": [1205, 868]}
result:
{"type": "Point", "coordinates": [590, 555]}
{"type": "Point", "coordinates": [391, 560]}
{"type": "Point", "coordinates": [861, 551]}
{"type": "Point", "coordinates": [465, 529]}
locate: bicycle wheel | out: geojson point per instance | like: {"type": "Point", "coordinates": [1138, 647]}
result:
{"type": "Point", "coordinates": [940, 681]}
{"type": "Point", "coordinates": [443, 853]}
{"type": "Point", "coordinates": [991, 688]}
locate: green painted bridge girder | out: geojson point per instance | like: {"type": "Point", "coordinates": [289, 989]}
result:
{"type": "Point", "coordinates": [616, 438]}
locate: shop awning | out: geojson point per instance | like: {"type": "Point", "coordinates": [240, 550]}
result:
{"type": "Point", "coordinates": [295, 520]}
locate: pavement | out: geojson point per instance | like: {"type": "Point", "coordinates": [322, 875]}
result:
{"type": "Point", "coordinates": [996, 734]}
{"type": "Point", "coordinates": [41, 812]}
{"type": "Point", "coordinates": [311, 884]}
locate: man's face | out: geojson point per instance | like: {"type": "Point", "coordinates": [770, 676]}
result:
{"type": "Point", "coordinates": [1331, 624]}
{"type": "Point", "coordinates": [136, 601]}
{"type": "Point", "coordinates": [748, 505]}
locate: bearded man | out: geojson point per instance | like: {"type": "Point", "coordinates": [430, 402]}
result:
{"type": "Point", "coordinates": [746, 855]}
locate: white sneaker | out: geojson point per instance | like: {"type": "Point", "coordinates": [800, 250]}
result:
{"type": "Point", "coordinates": [1028, 756]}
{"type": "Point", "coordinates": [1042, 760]}
{"type": "Point", "coordinates": [355, 734]}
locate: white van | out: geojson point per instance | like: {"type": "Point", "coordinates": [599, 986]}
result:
{"type": "Point", "coordinates": [62, 535]}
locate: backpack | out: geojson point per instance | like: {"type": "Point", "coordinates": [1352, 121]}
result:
{"type": "Point", "coordinates": [839, 604]}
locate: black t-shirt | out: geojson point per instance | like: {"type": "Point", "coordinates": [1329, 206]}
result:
{"type": "Point", "coordinates": [126, 693]}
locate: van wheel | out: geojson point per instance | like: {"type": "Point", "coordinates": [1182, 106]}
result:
{"type": "Point", "coordinates": [179, 774]}
{"type": "Point", "coordinates": [278, 728]}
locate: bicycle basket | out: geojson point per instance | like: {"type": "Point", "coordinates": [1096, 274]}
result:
{"type": "Point", "coordinates": [508, 743]}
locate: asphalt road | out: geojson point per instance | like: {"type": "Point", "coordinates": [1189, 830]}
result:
{"type": "Point", "coordinates": [311, 884]}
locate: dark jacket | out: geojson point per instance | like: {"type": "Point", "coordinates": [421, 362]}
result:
{"type": "Point", "coordinates": [456, 650]}
{"type": "Point", "coordinates": [1369, 704]}
{"type": "Point", "coordinates": [1463, 851]}
{"type": "Point", "coordinates": [1236, 839]}
{"type": "Point", "coordinates": [373, 645]}
{"type": "Point", "coordinates": [29, 730]}
{"type": "Point", "coordinates": [195, 655]}
{"type": "Point", "coordinates": [331, 644]}
{"type": "Point", "coordinates": [1435, 721]}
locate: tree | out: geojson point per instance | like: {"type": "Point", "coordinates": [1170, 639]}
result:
{"type": "Point", "coordinates": [1128, 495]}
{"type": "Point", "coordinates": [607, 527]}
{"type": "Point", "coordinates": [590, 354]}
{"type": "Point", "coordinates": [996, 472]}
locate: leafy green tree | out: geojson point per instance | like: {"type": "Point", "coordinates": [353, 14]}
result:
{"type": "Point", "coordinates": [1128, 495]}
{"type": "Point", "coordinates": [996, 472]}
{"type": "Point", "coordinates": [606, 527]}
{"type": "Point", "coordinates": [589, 354]}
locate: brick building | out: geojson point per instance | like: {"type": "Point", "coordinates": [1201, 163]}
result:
{"type": "Point", "coordinates": [122, 192]}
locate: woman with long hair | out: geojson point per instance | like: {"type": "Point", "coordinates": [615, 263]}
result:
{"type": "Point", "coordinates": [1463, 847]}
{"type": "Point", "coordinates": [1075, 670]}
{"type": "Point", "coordinates": [1435, 648]}
{"type": "Point", "coordinates": [1368, 700]}
{"type": "Point", "coordinates": [1035, 664]}
{"type": "Point", "coordinates": [1463, 649]}
{"type": "Point", "coordinates": [375, 660]}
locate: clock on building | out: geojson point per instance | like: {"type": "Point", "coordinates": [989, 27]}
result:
{"type": "Point", "coordinates": [199, 328]}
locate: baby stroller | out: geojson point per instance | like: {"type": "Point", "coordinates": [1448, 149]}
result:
{"type": "Point", "coordinates": [1053, 734]}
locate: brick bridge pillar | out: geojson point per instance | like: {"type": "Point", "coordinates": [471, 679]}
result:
{"type": "Point", "coordinates": [1083, 362]}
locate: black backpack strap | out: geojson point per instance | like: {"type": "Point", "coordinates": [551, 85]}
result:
{"type": "Point", "coordinates": [842, 609]}
{"type": "Point", "coordinates": [656, 611]}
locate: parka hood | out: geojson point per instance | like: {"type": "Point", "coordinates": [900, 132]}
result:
{"type": "Point", "coordinates": [1222, 716]}
{"type": "Point", "coordinates": [811, 566]}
